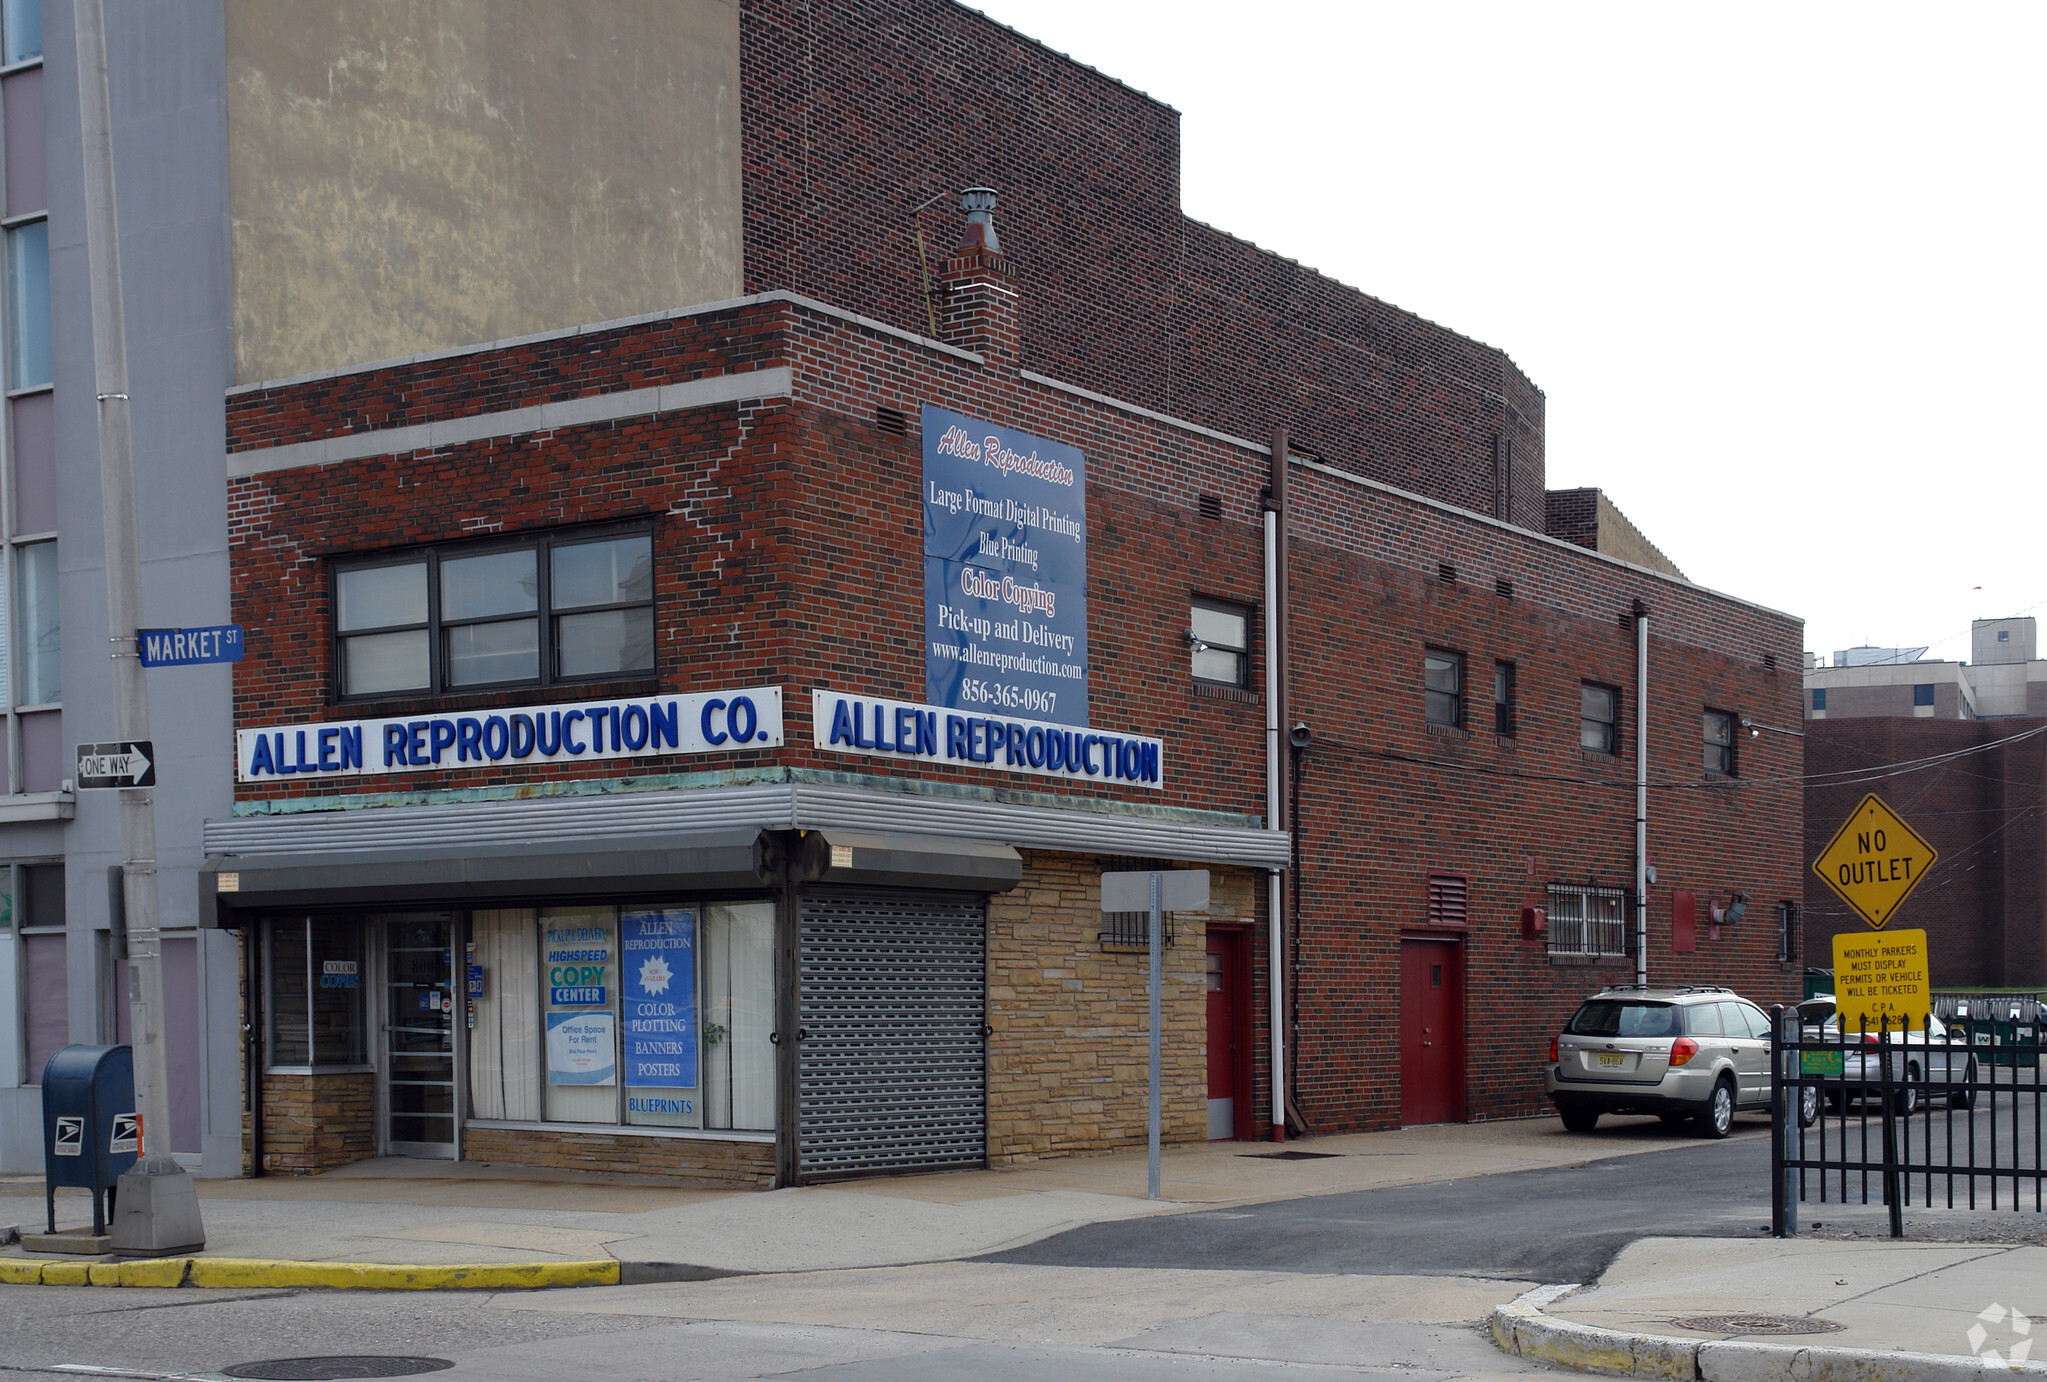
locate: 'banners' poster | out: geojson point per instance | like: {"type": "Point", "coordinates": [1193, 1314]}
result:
{"type": "Point", "coordinates": [1005, 571]}
{"type": "Point", "coordinates": [659, 970]}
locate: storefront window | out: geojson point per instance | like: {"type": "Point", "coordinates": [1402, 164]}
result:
{"type": "Point", "coordinates": [656, 1016]}
{"type": "Point", "coordinates": [314, 997]}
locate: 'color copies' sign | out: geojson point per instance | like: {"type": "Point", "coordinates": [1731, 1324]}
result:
{"type": "Point", "coordinates": [898, 729]}
{"type": "Point", "coordinates": [705, 722]}
{"type": "Point", "coordinates": [1005, 571]}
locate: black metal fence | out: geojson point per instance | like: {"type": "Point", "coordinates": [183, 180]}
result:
{"type": "Point", "coordinates": [1943, 1115]}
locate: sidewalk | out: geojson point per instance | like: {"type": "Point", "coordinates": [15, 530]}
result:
{"type": "Point", "coordinates": [414, 1212]}
{"type": "Point", "coordinates": [1724, 1309]}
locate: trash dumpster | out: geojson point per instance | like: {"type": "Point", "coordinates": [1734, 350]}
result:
{"type": "Point", "coordinates": [90, 1131]}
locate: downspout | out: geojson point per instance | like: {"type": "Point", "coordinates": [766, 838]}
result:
{"type": "Point", "coordinates": [1641, 793]}
{"type": "Point", "coordinates": [1275, 786]}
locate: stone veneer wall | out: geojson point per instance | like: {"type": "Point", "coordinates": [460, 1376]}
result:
{"type": "Point", "coordinates": [728, 1163]}
{"type": "Point", "coordinates": [1068, 1061]}
{"type": "Point", "coordinates": [313, 1123]}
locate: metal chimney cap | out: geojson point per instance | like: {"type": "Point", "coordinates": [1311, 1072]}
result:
{"type": "Point", "coordinates": [979, 232]}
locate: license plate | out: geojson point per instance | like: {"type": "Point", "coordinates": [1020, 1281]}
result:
{"type": "Point", "coordinates": [1612, 1062]}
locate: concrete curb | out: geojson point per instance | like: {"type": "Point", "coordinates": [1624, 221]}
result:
{"type": "Point", "coordinates": [246, 1272]}
{"type": "Point", "coordinates": [1521, 1328]}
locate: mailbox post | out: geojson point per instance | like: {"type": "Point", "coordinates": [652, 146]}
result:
{"type": "Point", "coordinates": [89, 1129]}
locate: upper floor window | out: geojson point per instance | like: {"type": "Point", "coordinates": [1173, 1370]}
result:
{"type": "Point", "coordinates": [28, 305]}
{"type": "Point", "coordinates": [1220, 636]}
{"type": "Point", "coordinates": [1719, 735]}
{"type": "Point", "coordinates": [37, 633]}
{"type": "Point", "coordinates": [564, 607]}
{"type": "Point", "coordinates": [1819, 698]}
{"type": "Point", "coordinates": [1922, 694]}
{"type": "Point", "coordinates": [1443, 687]}
{"type": "Point", "coordinates": [1503, 698]}
{"type": "Point", "coordinates": [21, 30]}
{"type": "Point", "coordinates": [1599, 718]}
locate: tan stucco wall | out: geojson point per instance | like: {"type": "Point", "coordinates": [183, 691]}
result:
{"type": "Point", "coordinates": [409, 175]}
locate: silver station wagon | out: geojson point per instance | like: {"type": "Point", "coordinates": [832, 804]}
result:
{"type": "Point", "coordinates": [1682, 1053]}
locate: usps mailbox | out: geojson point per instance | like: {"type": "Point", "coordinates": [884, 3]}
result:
{"type": "Point", "coordinates": [90, 1131]}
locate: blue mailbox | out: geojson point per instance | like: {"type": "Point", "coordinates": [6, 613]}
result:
{"type": "Point", "coordinates": [90, 1131]}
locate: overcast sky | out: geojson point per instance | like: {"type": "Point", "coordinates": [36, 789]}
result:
{"type": "Point", "coordinates": [1777, 268]}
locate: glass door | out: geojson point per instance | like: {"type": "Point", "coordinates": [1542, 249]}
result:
{"type": "Point", "coordinates": [419, 1036]}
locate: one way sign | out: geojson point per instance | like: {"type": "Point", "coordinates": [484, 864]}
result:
{"type": "Point", "coordinates": [126, 764]}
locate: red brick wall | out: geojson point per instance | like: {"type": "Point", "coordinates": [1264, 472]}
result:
{"type": "Point", "coordinates": [787, 535]}
{"type": "Point", "coordinates": [1984, 906]}
{"type": "Point", "coordinates": [855, 113]}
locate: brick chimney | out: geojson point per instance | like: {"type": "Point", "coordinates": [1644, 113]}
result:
{"type": "Point", "coordinates": [980, 305]}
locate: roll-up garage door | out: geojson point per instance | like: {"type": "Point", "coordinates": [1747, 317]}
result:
{"type": "Point", "coordinates": [892, 1066]}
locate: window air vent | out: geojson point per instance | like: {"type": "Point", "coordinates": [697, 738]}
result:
{"type": "Point", "coordinates": [1504, 588]}
{"type": "Point", "coordinates": [1446, 573]}
{"type": "Point", "coordinates": [1769, 662]}
{"type": "Point", "coordinates": [1449, 900]}
{"type": "Point", "coordinates": [1211, 506]}
{"type": "Point", "coordinates": [892, 420]}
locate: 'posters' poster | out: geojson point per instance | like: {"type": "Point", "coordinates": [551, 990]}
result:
{"type": "Point", "coordinates": [659, 972]}
{"type": "Point", "coordinates": [1005, 570]}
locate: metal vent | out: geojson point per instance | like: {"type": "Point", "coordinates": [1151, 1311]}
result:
{"type": "Point", "coordinates": [1769, 662]}
{"type": "Point", "coordinates": [1211, 506]}
{"type": "Point", "coordinates": [1504, 588]}
{"type": "Point", "coordinates": [891, 1065]}
{"type": "Point", "coordinates": [1446, 573]}
{"type": "Point", "coordinates": [892, 420]}
{"type": "Point", "coordinates": [1449, 900]}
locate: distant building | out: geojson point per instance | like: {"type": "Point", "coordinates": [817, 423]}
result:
{"type": "Point", "coordinates": [2004, 677]}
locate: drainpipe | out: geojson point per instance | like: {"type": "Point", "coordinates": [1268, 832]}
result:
{"type": "Point", "coordinates": [1275, 793]}
{"type": "Point", "coordinates": [1641, 793]}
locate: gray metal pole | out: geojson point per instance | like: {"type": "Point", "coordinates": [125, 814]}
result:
{"type": "Point", "coordinates": [1151, 1191]}
{"type": "Point", "coordinates": [157, 1209]}
{"type": "Point", "coordinates": [1641, 795]}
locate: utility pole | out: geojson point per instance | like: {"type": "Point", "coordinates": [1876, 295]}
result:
{"type": "Point", "coordinates": [156, 1207]}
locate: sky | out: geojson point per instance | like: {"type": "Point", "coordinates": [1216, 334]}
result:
{"type": "Point", "coordinates": [1778, 269]}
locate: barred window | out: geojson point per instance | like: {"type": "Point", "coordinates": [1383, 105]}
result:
{"type": "Point", "coordinates": [1588, 920]}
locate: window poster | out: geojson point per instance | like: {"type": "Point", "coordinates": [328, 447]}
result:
{"type": "Point", "coordinates": [579, 1049]}
{"type": "Point", "coordinates": [658, 979]}
{"type": "Point", "coordinates": [1005, 571]}
{"type": "Point", "coordinates": [582, 1030]}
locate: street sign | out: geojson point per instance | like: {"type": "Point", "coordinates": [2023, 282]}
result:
{"type": "Point", "coordinates": [1180, 890]}
{"type": "Point", "coordinates": [1881, 980]}
{"type": "Point", "coordinates": [190, 647]}
{"type": "Point", "coordinates": [124, 764]}
{"type": "Point", "coordinates": [1874, 861]}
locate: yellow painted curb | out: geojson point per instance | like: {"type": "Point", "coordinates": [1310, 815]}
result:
{"type": "Point", "coordinates": [376, 1276]}
{"type": "Point", "coordinates": [14, 1272]}
{"type": "Point", "coordinates": [66, 1274]}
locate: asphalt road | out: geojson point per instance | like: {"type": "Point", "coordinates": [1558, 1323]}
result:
{"type": "Point", "coordinates": [1562, 1224]}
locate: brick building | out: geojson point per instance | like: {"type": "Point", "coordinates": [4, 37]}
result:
{"type": "Point", "coordinates": [531, 534]}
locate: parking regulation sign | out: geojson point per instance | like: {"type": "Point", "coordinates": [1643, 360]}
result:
{"type": "Point", "coordinates": [1874, 861]}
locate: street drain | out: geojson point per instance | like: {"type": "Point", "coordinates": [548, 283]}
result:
{"type": "Point", "coordinates": [1289, 1156]}
{"type": "Point", "coordinates": [1758, 1324]}
{"type": "Point", "coordinates": [338, 1366]}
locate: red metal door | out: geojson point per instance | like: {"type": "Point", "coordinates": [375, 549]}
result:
{"type": "Point", "coordinates": [1223, 996]}
{"type": "Point", "coordinates": [1431, 1032]}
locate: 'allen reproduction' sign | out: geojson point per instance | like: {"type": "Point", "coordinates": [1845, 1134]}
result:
{"type": "Point", "coordinates": [1874, 861]}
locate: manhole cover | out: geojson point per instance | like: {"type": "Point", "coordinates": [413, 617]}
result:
{"type": "Point", "coordinates": [1758, 1324]}
{"type": "Point", "coordinates": [1289, 1156]}
{"type": "Point", "coordinates": [337, 1366]}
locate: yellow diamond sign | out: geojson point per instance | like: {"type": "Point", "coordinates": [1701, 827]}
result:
{"type": "Point", "coordinates": [1874, 861]}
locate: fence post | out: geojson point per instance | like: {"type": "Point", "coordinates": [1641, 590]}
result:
{"type": "Point", "coordinates": [1783, 1112]}
{"type": "Point", "coordinates": [1883, 1065]}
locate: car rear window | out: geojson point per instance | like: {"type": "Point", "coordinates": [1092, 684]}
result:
{"type": "Point", "coordinates": [1625, 1018]}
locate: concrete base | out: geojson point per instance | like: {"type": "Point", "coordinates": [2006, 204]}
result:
{"type": "Point", "coordinates": [156, 1211]}
{"type": "Point", "coordinates": [77, 1242]}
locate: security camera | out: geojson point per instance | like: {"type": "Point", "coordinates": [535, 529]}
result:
{"type": "Point", "coordinates": [1300, 734]}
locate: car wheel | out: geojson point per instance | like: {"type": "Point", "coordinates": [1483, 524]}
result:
{"type": "Point", "coordinates": [1718, 1119]}
{"type": "Point", "coordinates": [1808, 1105]}
{"type": "Point", "coordinates": [1905, 1098]}
{"type": "Point", "coordinates": [1962, 1096]}
{"type": "Point", "coordinates": [1578, 1119]}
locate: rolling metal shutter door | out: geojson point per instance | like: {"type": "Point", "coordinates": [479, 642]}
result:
{"type": "Point", "coordinates": [892, 1068]}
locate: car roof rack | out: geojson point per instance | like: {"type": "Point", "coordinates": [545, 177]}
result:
{"type": "Point", "coordinates": [1669, 988]}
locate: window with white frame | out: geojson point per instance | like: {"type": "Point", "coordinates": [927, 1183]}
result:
{"type": "Point", "coordinates": [1219, 639]}
{"type": "Point", "coordinates": [1599, 718]}
{"type": "Point", "coordinates": [1587, 919]}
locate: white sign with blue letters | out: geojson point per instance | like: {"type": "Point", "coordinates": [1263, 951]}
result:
{"type": "Point", "coordinates": [702, 722]}
{"type": "Point", "coordinates": [846, 723]}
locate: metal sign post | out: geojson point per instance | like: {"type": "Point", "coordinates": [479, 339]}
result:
{"type": "Point", "coordinates": [156, 1210]}
{"type": "Point", "coordinates": [1178, 890]}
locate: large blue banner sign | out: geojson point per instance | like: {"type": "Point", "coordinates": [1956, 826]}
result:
{"type": "Point", "coordinates": [658, 965]}
{"type": "Point", "coordinates": [1005, 570]}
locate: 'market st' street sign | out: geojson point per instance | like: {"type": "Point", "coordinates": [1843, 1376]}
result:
{"type": "Point", "coordinates": [1874, 861]}
{"type": "Point", "coordinates": [123, 764]}
{"type": "Point", "coordinates": [190, 647]}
